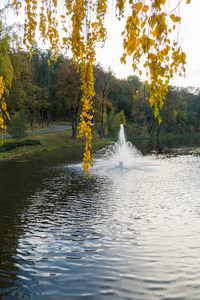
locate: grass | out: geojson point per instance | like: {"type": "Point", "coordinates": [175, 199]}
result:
{"type": "Point", "coordinates": [50, 141]}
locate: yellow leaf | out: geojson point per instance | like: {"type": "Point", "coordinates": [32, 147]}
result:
{"type": "Point", "coordinates": [150, 42]}
{"type": "Point", "coordinates": [188, 1]}
{"type": "Point", "coordinates": [173, 17]}
{"type": "Point", "coordinates": [145, 8]}
{"type": "Point", "coordinates": [156, 111]}
{"type": "Point", "coordinates": [3, 105]}
{"type": "Point", "coordinates": [138, 6]}
{"type": "Point", "coordinates": [159, 119]}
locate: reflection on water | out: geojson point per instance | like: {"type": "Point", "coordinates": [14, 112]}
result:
{"type": "Point", "coordinates": [128, 233]}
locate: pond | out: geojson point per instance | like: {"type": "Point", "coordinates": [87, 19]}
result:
{"type": "Point", "coordinates": [130, 232]}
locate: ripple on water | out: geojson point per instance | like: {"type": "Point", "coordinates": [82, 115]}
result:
{"type": "Point", "coordinates": [124, 234]}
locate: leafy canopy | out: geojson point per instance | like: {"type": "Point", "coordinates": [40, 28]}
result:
{"type": "Point", "coordinates": [147, 34]}
{"type": "Point", "coordinates": [6, 72]}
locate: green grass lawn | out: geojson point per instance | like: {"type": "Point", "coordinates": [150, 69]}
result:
{"type": "Point", "coordinates": [50, 141]}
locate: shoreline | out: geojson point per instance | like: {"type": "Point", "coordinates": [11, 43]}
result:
{"type": "Point", "coordinates": [61, 139]}
{"type": "Point", "coordinates": [49, 141]}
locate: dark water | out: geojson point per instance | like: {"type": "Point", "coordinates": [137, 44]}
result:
{"type": "Point", "coordinates": [127, 233]}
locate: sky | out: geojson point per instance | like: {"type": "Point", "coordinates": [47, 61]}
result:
{"type": "Point", "coordinates": [188, 37]}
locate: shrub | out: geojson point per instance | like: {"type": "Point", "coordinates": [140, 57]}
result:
{"type": "Point", "coordinates": [10, 146]}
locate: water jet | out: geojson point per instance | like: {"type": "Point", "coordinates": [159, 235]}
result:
{"type": "Point", "coordinates": [119, 155]}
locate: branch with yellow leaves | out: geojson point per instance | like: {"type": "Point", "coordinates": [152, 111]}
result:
{"type": "Point", "coordinates": [147, 34]}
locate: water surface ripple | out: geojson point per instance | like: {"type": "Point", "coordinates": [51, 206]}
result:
{"type": "Point", "coordinates": [124, 234]}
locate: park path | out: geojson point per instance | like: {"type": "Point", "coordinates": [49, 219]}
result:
{"type": "Point", "coordinates": [50, 129]}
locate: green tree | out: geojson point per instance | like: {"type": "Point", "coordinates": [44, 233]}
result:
{"type": "Point", "coordinates": [6, 70]}
{"type": "Point", "coordinates": [69, 88]}
{"type": "Point", "coordinates": [135, 83]}
{"type": "Point", "coordinates": [42, 68]}
{"type": "Point", "coordinates": [174, 112]}
{"type": "Point", "coordinates": [111, 121]}
{"type": "Point", "coordinates": [193, 107]}
{"type": "Point", "coordinates": [22, 79]}
{"type": "Point", "coordinates": [139, 105]}
{"type": "Point", "coordinates": [120, 118]}
{"type": "Point", "coordinates": [102, 88]}
{"type": "Point", "coordinates": [121, 95]}
{"type": "Point", "coordinates": [18, 125]}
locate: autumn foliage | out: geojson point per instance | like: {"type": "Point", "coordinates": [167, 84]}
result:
{"type": "Point", "coordinates": [147, 37]}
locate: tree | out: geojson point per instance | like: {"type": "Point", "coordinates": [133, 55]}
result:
{"type": "Point", "coordinates": [120, 93]}
{"type": "Point", "coordinates": [44, 81]}
{"type": "Point", "coordinates": [102, 87]}
{"type": "Point", "coordinates": [69, 86]}
{"type": "Point", "coordinates": [147, 34]}
{"type": "Point", "coordinates": [6, 71]}
{"type": "Point", "coordinates": [174, 112]}
{"type": "Point", "coordinates": [22, 77]}
{"type": "Point", "coordinates": [18, 125]}
{"type": "Point", "coordinates": [135, 83]}
{"type": "Point", "coordinates": [120, 118]}
{"type": "Point", "coordinates": [139, 103]}
{"type": "Point", "coordinates": [193, 107]}
{"type": "Point", "coordinates": [111, 121]}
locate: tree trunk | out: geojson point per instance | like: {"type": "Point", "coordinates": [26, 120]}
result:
{"type": "Point", "coordinates": [159, 129]}
{"type": "Point", "coordinates": [169, 128]}
{"type": "Point", "coordinates": [151, 126]}
{"type": "Point", "coordinates": [48, 118]}
{"type": "Point", "coordinates": [73, 127]}
{"type": "Point", "coordinates": [102, 115]}
{"type": "Point", "coordinates": [42, 118]}
{"type": "Point", "coordinates": [101, 130]}
{"type": "Point", "coordinates": [74, 118]}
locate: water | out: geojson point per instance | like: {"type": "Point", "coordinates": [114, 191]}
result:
{"type": "Point", "coordinates": [130, 232]}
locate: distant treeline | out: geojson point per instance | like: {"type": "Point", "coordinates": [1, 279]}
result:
{"type": "Point", "coordinates": [51, 89]}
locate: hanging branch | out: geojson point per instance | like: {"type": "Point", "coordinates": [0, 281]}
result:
{"type": "Point", "coordinates": [147, 34]}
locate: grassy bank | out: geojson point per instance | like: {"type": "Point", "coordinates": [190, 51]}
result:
{"type": "Point", "coordinates": [63, 139]}
{"type": "Point", "coordinates": [50, 141]}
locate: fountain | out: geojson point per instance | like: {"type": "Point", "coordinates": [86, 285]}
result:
{"type": "Point", "coordinates": [121, 154]}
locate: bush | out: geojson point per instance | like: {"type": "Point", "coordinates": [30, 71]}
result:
{"type": "Point", "coordinates": [10, 146]}
{"type": "Point", "coordinates": [7, 147]}
{"type": "Point", "coordinates": [29, 143]}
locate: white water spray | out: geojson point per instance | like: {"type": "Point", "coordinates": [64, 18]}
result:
{"type": "Point", "coordinates": [120, 154]}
